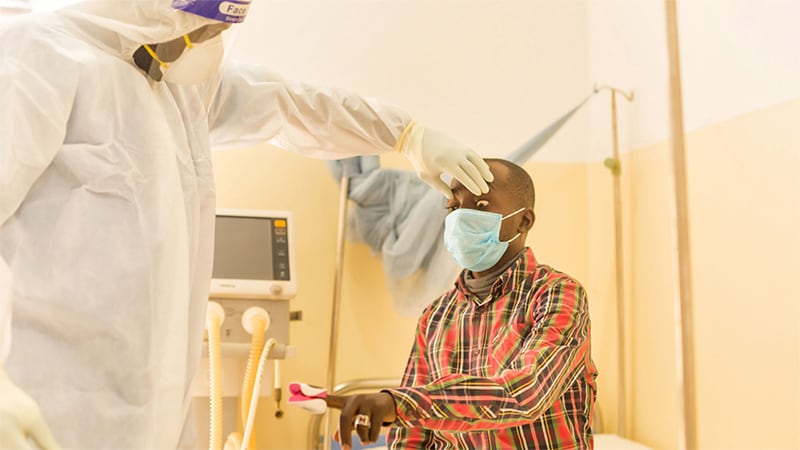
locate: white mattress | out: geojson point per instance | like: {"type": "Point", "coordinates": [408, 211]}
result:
{"type": "Point", "coordinates": [614, 442]}
{"type": "Point", "coordinates": [601, 442]}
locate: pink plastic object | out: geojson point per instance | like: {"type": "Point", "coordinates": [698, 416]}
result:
{"type": "Point", "coordinates": [308, 397]}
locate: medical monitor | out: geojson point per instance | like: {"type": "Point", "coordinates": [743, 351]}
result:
{"type": "Point", "coordinates": [253, 255]}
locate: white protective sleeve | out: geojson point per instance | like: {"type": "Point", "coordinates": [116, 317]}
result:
{"type": "Point", "coordinates": [254, 105]}
{"type": "Point", "coordinates": [5, 311]}
{"type": "Point", "coordinates": [33, 121]}
{"type": "Point", "coordinates": [9, 8]}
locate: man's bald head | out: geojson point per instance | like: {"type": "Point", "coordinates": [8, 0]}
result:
{"type": "Point", "coordinates": [513, 181]}
{"type": "Point", "coordinates": [511, 195]}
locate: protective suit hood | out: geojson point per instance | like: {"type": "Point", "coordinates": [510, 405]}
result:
{"type": "Point", "coordinates": [122, 26]}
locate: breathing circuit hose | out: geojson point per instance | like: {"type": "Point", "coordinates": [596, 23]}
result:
{"type": "Point", "coordinates": [255, 321]}
{"type": "Point", "coordinates": [215, 315]}
{"type": "Point", "coordinates": [247, 440]}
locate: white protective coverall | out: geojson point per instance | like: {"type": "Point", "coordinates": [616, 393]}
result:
{"type": "Point", "coordinates": [107, 208]}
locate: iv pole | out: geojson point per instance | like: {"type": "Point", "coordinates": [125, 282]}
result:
{"type": "Point", "coordinates": [614, 165]}
{"type": "Point", "coordinates": [684, 347]}
{"type": "Point", "coordinates": [344, 190]}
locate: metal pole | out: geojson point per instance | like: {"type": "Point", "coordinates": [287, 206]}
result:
{"type": "Point", "coordinates": [620, 274]}
{"type": "Point", "coordinates": [337, 301]}
{"type": "Point", "coordinates": [683, 272]}
{"type": "Point", "coordinates": [615, 166]}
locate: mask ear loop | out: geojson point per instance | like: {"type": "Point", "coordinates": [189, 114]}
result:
{"type": "Point", "coordinates": [513, 214]}
{"type": "Point", "coordinates": [153, 54]}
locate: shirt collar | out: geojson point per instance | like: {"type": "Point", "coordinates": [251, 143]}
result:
{"type": "Point", "coordinates": [524, 265]}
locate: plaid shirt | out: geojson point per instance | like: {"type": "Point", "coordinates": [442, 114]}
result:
{"type": "Point", "coordinates": [511, 371]}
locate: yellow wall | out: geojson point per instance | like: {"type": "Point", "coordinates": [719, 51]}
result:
{"type": "Point", "coordinates": [746, 240]}
{"type": "Point", "coordinates": [745, 222]}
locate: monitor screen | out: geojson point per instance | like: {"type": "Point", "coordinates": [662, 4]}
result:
{"type": "Point", "coordinates": [251, 248]}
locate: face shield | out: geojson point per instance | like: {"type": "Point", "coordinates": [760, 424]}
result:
{"type": "Point", "coordinates": [227, 11]}
{"type": "Point", "coordinates": [224, 11]}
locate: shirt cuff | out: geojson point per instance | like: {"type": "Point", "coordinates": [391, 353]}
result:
{"type": "Point", "coordinates": [412, 405]}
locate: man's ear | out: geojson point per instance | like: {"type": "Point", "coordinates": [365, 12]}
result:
{"type": "Point", "coordinates": [528, 218]}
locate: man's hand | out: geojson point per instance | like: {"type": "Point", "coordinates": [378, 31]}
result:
{"type": "Point", "coordinates": [366, 413]}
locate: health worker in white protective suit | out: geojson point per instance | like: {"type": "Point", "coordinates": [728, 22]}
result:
{"type": "Point", "coordinates": [109, 110]}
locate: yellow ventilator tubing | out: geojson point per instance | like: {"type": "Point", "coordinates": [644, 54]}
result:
{"type": "Point", "coordinates": [256, 321]}
{"type": "Point", "coordinates": [251, 415]}
{"type": "Point", "coordinates": [214, 317]}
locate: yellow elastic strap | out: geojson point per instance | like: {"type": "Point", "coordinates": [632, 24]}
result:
{"type": "Point", "coordinates": [154, 56]}
{"type": "Point", "coordinates": [188, 42]}
{"type": "Point", "coordinates": [399, 145]}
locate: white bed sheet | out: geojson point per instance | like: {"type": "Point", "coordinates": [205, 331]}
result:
{"type": "Point", "coordinates": [601, 442]}
{"type": "Point", "coordinates": [614, 442]}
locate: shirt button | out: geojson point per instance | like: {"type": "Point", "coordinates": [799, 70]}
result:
{"type": "Point", "coordinates": [476, 352]}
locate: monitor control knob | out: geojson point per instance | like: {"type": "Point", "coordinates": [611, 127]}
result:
{"type": "Point", "coordinates": [275, 289]}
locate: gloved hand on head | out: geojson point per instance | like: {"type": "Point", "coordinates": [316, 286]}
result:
{"type": "Point", "coordinates": [20, 419]}
{"type": "Point", "coordinates": [433, 153]}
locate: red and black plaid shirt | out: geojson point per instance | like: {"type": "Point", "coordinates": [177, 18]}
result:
{"type": "Point", "coordinates": [511, 371]}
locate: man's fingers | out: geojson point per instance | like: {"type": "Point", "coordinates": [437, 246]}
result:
{"type": "Point", "coordinates": [346, 421]}
{"type": "Point", "coordinates": [363, 430]}
{"type": "Point", "coordinates": [375, 428]}
{"type": "Point", "coordinates": [363, 414]}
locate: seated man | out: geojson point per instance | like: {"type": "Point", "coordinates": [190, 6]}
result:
{"type": "Point", "coordinates": [502, 361]}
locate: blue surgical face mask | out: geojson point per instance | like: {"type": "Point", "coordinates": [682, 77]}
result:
{"type": "Point", "coordinates": [473, 237]}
